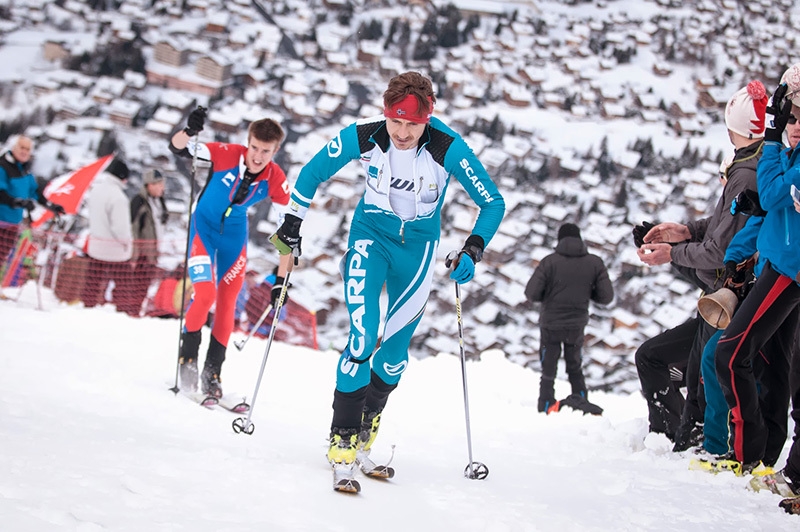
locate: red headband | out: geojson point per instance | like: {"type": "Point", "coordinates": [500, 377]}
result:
{"type": "Point", "coordinates": [407, 109]}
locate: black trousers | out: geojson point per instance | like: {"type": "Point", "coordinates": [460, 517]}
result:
{"type": "Point", "coordinates": [695, 406]}
{"type": "Point", "coordinates": [549, 353]}
{"type": "Point", "coordinates": [793, 460]}
{"type": "Point", "coordinates": [654, 358]}
{"type": "Point", "coordinates": [767, 317]}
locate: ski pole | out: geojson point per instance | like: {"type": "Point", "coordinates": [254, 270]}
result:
{"type": "Point", "coordinates": [43, 259]}
{"type": "Point", "coordinates": [474, 470]}
{"type": "Point", "coordinates": [241, 343]}
{"type": "Point", "coordinates": [241, 424]}
{"type": "Point", "coordinates": [175, 388]}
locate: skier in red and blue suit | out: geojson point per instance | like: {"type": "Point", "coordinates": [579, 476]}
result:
{"type": "Point", "coordinates": [241, 176]}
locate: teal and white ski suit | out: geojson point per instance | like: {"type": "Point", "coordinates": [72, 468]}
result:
{"type": "Point", "coordinates": [385, 248]}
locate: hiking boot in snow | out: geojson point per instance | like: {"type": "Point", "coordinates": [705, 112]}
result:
{"type": "Point", "coordinates": [343, 445]}
{"type": "Point", "coordinates": [210, 382]}
{"type": "Point", "coordinates": [777, 482]}
{"type": "Point", "coordinates": [728, 462]}
{"type": "Point", "coordinates": [547, 405]}
{"type": "Point", "coordinates": [687, 436]}
{"type": "Point", "coordinates": [577, 401]}
{"type": "Point", "coordinates": [370, 421]}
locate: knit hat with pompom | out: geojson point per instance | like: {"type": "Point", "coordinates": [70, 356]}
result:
{"type": "Point", "coordinates": [792, 79]}
{"type": "Point", "coordinates": [745, 111]}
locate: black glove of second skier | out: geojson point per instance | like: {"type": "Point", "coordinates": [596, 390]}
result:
{"type": "Point", "coordinates": [275, 294]}
{"type": "Point", "coordinates": [196, 121]}
{"type": "Point", "coordinates": [287, 238]}
{"type": "Point", "coordinates": [639, 231]}
{"type": "Point", "coordinates": [779, 109]}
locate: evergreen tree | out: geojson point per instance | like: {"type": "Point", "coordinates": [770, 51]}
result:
{"type": "Point", "coordinates": [622, 195]}
{"type": "Point", "coordinates": [345, 15]}
{"type": "Point", "coordinates": [496, 129]}
{"type": "Point", "coordinates": [425, 49]}
{"type": "Point", "coordinates": [429, 27]}
{"type": "Point", "coordinates": [645, 149]}
{"type": "Point", "coordinates": [108, 144]}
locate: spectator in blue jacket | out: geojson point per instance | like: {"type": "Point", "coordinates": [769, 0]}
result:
{"type": "Point", "coordinates": [772, 307]}
{"type": "Point", "coordinates": [18, 190]}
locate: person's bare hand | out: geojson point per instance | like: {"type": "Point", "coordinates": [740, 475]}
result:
{"type": "Point", "coordinates": [796, 205]}
{"type": "Point", "coordinates": [667, 232]}
{"type": "Point", "coordinates": [655, 254]}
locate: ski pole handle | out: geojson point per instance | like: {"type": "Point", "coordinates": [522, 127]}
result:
{"type": "Point", "coordinates": [452, 259]}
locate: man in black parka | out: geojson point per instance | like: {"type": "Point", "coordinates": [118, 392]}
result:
{"type": "Point", "coordinates": [565, 282]}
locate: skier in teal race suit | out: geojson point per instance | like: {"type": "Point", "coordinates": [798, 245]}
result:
{"type": "Point", "coordinates": [408, 158]}
{"type": "Point", "coordinates": [241, 176]}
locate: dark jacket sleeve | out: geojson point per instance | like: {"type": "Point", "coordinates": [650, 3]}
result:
{"type": "Point", "coordinates": [535, 289]}
{"type": "Point", "coordinates": [136, 205]}
{"type": "Point", "coordinates": [603, 290]}
{"type": "Point", "coordinates": [708, 253]}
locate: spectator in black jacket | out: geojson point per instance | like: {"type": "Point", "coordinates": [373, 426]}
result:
{"type": "Point", "coordinates": [148, 221]}
{"type": "Point", "coordinates": [565, 282]}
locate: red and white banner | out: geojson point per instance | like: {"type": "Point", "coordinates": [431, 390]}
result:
{"type": "Point", "coordinates": [67, 190]}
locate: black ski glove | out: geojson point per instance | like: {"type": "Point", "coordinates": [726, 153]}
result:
{"type": "Point", "coordinates": [730, 274]}
{"type": "Point", "coordinates": [24, 203]}
{"type": "Point", "coordinates": [779, 109]}
{"type": "Point", "coordinates": [739, 277]}
{"type": "Point", "coordinates": [275, 294]}
{"type": "Point", "coordinates": [473, 246]}
{"type": "Point", "coordinates": [639, 231]}
{"type": "Point", "coordinates": [196, 121]}
{"type": "Point", "coordinates": [55, 208]}
{"type": "Point", "coordinates": [287, 238]}
{"type": "Point", "coordinates": [747, 202]}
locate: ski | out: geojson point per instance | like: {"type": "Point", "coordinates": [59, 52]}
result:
{"type": "Point", "coordinates": [226, 402]}
{"type": "Point", "coordinates": [202, 399]}
{"type": "Point", "coordinates": [347, 485]}
{"type": "Point", "coordinates": [373, 470]}
{"type": "Point", "coordinates": [231, 404]}
{"type": "Point", "coordinates": [343, 480]}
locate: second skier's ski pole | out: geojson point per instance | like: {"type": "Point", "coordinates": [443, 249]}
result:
{"type": "Point", "coordinates": [241, 343]}
{"type": "Point", "coordinates": [474, 470]}
{"type": "Point", "coordinates": [175, 389]}
{"type": "Point", "coordinates": [241, 424]}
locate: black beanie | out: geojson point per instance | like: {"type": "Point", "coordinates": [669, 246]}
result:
{"type": "Point", "coordinates": [118, 168]}
{"type": "Point", "coordinates": [568, 230]}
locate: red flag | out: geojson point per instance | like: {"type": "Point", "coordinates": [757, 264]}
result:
{"type": "Point", "coordinates": [67, 190]}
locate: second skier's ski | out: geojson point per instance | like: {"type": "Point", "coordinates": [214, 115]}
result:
{"type": "Point", "coordinates": [343, 480]}
{"type": "Point", "coordinates": [373, 470]}
{"type": "Point", "coordinates": [227, 402]}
